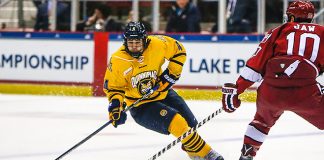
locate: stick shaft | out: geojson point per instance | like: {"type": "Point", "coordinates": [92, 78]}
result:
{"type": "Point", "coordinates": [150, 92]}
{"type": "Point", "coordinates": [84, 140]}
{"type": "Point", "coordinates": [179, 139]}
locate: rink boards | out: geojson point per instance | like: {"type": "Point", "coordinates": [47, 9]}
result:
{"type": "Point", "coordinates": [74, 63]}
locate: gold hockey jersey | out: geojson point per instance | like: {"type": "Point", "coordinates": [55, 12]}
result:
{"type": "Point", "coordinates": [128, 78]}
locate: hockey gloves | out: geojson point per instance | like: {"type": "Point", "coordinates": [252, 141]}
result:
{"type": "Point", "coordinates": [116, 112]}
{"type": "Point", "coordinates": [230, 99]}
{"type": "Point", "coordinates": [166, 80]}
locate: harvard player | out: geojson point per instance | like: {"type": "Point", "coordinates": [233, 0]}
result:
{"type": "Point", "coordinates": [288, 60]}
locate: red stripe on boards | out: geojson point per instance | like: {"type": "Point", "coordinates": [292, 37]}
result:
{"type": "Point", "coordinates": [100, 62]}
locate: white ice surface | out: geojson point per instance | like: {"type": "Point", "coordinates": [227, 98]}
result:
{"type": "Point", "coordinates": [44, 127]}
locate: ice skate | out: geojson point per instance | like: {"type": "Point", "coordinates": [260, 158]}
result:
{"type": "Point", "coordinates": [195, 158]}
{"type": "Point", "coordinates": [246, 157]}
{"type": "Point", "coordinates": [212, 155]}
{"type": "Point", "coordinates": [247, 152]}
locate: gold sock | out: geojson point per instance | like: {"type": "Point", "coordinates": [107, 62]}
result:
{"type": "Point", "coordinates": [193, 144]}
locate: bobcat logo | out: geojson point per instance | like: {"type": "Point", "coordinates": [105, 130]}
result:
{"type": "Point", "coordinates": [144, 81]}
{"type": "Point", "coordinates": [144, 85]}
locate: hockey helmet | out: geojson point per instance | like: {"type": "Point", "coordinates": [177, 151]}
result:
{"type": "Point", "coordinates": [302, 11]}
{"type": "Point", "coordinates": [135, 30]}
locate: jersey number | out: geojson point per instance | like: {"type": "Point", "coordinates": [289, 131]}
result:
{"type": "Point", "coordinates": [302, 44]}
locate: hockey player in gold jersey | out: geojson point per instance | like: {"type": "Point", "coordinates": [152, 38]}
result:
{"type": "Point", "coordinates": [137, 67]}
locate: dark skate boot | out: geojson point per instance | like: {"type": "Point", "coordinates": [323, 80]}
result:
{"type": "Point", "coordinates": [246, 157]}
{"type": "Point", "coordinates": [247, 152]}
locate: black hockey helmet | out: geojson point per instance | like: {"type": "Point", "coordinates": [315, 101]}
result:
{"type": "Point", "coordinates": [135, 30]}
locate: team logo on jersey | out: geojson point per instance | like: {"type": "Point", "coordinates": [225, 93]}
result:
{"type": "Point", "coordinates": [144, 81]}
{"type": "Point", "coordinates": [163, 112]}
{"type": "Point", "coordinates": [140, 59]}
{"type": "Point", "coordinates": [144, 85]}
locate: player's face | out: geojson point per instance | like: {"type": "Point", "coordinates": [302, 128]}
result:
{"type": "Point", "coordinates": [182, 3]}
{"type": "Point", "coordinates": [135, 45]}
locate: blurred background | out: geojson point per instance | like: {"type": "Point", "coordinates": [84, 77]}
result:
{"type": "Point", "coordinates": [62, 47]}
{"type": "Point", "coordinates": [206, 16]}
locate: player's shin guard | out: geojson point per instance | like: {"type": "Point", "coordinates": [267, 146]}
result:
{"type": "Point", "coordinates": [193, 144]}
{"type": "Point", "coordinates": [254, 137]}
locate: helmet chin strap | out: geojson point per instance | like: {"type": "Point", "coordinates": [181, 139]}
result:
{"type": "Point", "coordinates": [134, 54]}
{"type": "Point", "coordinates": [138, 53]}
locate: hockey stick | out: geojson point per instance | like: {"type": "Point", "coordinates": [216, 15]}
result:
{"type": "Point", "coordinates": [150, 92]}
{"type": "Point", "coordinates": [179, 139]}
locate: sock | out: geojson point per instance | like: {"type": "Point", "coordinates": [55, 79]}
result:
{"type": "Point", "coordinates": [255, 135]}
{"type": "Point", "coordinates": [193, 144]}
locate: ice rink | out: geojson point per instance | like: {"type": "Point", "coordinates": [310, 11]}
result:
{"type": "Point", "coordinates": [44, 127]}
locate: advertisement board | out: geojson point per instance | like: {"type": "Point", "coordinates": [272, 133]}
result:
{"type": "Point", "coordinates": [46, 60]}
{"type": "Point", "coordinates": [81, 58]}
